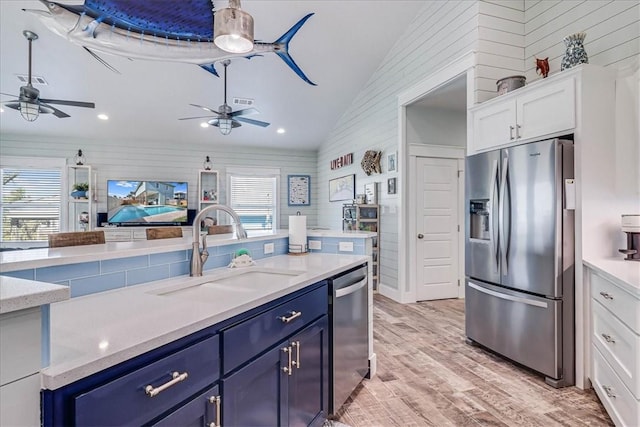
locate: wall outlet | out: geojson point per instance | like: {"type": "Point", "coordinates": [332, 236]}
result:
{"type": "Point", "coordinates": [315, 244]}
{"type": "Point", "coordinates": [345, 246]}
{"type": "Point", "coordinates": [268, 248]}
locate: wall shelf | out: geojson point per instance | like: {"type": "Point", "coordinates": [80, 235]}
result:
{"type": "Point", "coordinates": [363, 217]}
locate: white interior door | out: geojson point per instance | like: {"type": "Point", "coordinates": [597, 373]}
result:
{"type": "Point", "coordinates": [437, 228]}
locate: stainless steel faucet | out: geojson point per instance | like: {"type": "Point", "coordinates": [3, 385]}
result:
{"type": "Point", "coordinates": [198, 258]}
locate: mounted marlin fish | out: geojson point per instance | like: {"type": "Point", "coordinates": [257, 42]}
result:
{"type": "Point", "coordinates": [154, 30]}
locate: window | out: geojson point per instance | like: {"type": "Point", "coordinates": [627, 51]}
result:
{"type": "Point", "coordinates": [253, 195]}
{"type": "Point", "coordinates": [31, 200]}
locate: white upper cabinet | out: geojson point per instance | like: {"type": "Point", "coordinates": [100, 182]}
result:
{"type": "Point", "coordinates": [545, 109]}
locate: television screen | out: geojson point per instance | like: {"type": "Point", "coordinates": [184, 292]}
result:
{"type": "Point", "coordinates": [146, 202]}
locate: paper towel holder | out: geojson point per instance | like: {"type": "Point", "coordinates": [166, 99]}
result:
{"type": "Point", "coordinates": [298, 249]}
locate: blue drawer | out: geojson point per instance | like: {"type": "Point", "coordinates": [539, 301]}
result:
{"type": "Point", "coordinates": [246, 340]}
{"type": "Point", "coordinates": [124, 400]}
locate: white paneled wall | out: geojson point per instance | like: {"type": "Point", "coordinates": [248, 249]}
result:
{"type": "Point", "coordinates": [440, 33]}
{"type": "Point", "coordinates": [612, 27]}
{"type": "Point", "coordinates": [147, 160]}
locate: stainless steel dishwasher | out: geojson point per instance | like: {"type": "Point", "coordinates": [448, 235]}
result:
{"type": "Point", "coordinates": [349, 336]}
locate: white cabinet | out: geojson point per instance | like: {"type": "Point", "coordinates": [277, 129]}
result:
{"type": "Point", "coordinates": [615, 339]}
{"type": "Point", "coordinates": [80, 206]}
{"type": "Point", "coordinates": [208, 191]}
{"type": "Point", "coordinates": [20, 338]}
{"type": "Point", "coordinates": [525, 114]}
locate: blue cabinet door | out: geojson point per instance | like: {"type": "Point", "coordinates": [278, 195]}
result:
{"type": "Point", "coordinates": [257, 394]}
{"type": "Point", "coordinates": [308, 399]}
{"type": "Point", "coordinates": [204, 410]}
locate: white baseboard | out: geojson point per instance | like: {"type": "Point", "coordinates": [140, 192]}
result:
{"type": "Point", "coordinates": [389, 292]}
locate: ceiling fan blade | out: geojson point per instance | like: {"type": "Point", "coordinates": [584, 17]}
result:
{"type": "Point", "coordinates": [193, 118]}
{"type": "Point", "coordinates": [12, 104]}
{"type": "Point", "coordinates": [59, 114]}
{"type": "Point", "coordinates": [252, 121]}
{"type": "Point", "coordinates": [205, 108]}
{"type": "Point", "coordinates": [70, 103]}
{"type": "Point", "coordinates": [244, 112]}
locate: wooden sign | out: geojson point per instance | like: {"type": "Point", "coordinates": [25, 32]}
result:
{"type": "Point", "coordinates": [341, 161]}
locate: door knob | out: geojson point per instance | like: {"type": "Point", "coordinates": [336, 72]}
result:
{"type": "Point", "coordinates": [420, 236]}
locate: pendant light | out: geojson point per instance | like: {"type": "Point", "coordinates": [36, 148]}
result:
{"type": "Point", "coordinates": [233, 29]}
{"type": "Point", "coordinates": [207, 165]}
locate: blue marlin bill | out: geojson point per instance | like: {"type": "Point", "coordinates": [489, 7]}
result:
{"type": "Point", "coordinates": [154, 30]}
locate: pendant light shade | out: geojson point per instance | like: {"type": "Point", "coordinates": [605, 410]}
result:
{"type": "Point", "coordinates": [233, 29]}
{"type": "Point", "coordinates": [225, 126]}
{"type": "Point", "coordinates": [29, 110]}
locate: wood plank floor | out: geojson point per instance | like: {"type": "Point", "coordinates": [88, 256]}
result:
{"type": "Point", "coordinates": [428, 376]}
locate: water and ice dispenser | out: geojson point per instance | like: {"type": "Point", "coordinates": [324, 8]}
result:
{"type": "Point", "coordinates": [479, 219]}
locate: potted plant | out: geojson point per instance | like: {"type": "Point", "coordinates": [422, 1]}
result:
{"type": "Point", "coordinates": [80, 190]}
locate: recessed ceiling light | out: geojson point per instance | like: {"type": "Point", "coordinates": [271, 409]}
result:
{"type": "Point", "coordinates": [281, 130]}
{"type": "Point", "coordinates": [204, 125]}
{"type": "Point", "coordinates": [103, 117]}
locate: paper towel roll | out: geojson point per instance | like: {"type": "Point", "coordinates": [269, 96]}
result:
{"type": "Point", "coordinates": [297, 234]}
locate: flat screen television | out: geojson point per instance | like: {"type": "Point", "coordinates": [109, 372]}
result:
{"type": "Point", "coordinates": [147, 202]}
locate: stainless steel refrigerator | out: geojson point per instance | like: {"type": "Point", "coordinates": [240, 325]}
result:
{"type": "Point", "coordinates": [520, 256]}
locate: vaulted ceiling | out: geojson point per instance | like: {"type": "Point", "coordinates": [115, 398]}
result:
{"type": "Point", "coordinates": [338, 48]}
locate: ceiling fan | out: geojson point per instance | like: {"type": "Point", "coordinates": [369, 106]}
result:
{"type": "Point", "coordinates": [29, 102]}
{"type": "Point", "coordinates": [225, 118]}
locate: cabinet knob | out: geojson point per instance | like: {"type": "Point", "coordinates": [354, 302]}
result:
{"type": "Point", "coordinates": [420, 236]}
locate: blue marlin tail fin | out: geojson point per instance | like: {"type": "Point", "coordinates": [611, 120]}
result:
{"type": "Point", "coordinates": [210, 68]}
{"type": "Point", "coordinates": [284, 52]}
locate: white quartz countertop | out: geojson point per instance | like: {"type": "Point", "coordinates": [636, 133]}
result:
{"type": "Point", "coordinates": [46, 257]}
{"type": "Point", "coordinates": [94, 332]}
{"type": "Point", "coordinates": [20, 294]}
{"type": "Point", "coordinates": [626, 273]}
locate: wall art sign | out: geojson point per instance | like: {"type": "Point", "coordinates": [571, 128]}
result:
{"type": "Point", "coordinates": [299, 190]}
{"type": "Point", "coordinates": [341, 161]}
{"type": "Point", "coordinates": [343, 188]}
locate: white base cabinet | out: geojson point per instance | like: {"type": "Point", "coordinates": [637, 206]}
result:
{"type": "Point", "coordinates": [615, 351]}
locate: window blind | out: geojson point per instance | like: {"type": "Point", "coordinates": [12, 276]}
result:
{"type": "Point", "coordinates": [253, 198]}
{"type": "Point", "coordinates": [31, 202]}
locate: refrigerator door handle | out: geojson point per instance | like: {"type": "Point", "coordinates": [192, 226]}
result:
{"type": "Point", "coordinates": [508, 297]}
{"type": "Point", "coordinates": [501, 201]}
{"type": "Point", "coordinates": [494, 238]}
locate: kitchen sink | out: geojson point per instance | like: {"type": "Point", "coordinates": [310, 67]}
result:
{"type": "Point", "coordinates": [252, 280]}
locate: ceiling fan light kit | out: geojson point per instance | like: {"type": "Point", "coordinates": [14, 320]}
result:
{"type": "Point", "coordinates": [233, 29]}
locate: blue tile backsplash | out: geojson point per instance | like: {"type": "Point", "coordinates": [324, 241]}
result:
{"type": "Point", "coordinates": [98, 276]}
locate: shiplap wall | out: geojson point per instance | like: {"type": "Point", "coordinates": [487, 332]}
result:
{"type": "Point", "coordinates": [136, 160]}
{"type": "Point", "coordinates": [441, 32]}
{"type": "Point", "coordinates": [612, 28]}
{"type": "Point", "coordinates": [434, 126]}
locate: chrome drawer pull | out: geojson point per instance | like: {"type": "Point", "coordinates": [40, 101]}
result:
{"type": "Point", "coordinates": [608, 338]}
{"type": "Point", "coordinates": [215, 400]}
{"type": "Point", "coordinates": [511, 133]}
{"type": "Point", "coordinates": [607, 390]}
{"type": "Point", "coordinates": [151, 391]}
{"type": "Point", "coordinates": [518, 131]}
{"type": "Point", "coordinates": [296, 344]}
{"type": "Point", "coordinates": [293, 315]}
{"type": "Point", "coordinates": [287, 369]}
{"type": "Point", "coordinates": [606, 295]}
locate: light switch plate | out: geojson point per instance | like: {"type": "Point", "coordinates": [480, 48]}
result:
{"type": "Point", "coordinates": [345, 246]}
{"type": "Point", "coordinates": [315, 244]}
{"type": "Point", "coordinates": [268, 248]}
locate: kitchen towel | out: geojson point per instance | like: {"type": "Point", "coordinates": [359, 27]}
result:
{"type": "Point", "coordinates": [297, 234]}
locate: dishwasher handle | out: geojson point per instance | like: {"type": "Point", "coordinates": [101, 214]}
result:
{"type": "Point", "coordinates": [350, 289]}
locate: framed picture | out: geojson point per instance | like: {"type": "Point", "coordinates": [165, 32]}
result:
{"type": "Point", "coordinates": [299, 190]}
{"type": "Point", "coordinates": [392, 162]}
{"type": "Point", "coordinates": [391, 186]}
{"type": "Point", "coordinates": [371, 193]}
{"type": "Point", "coordinates": [343, 188]}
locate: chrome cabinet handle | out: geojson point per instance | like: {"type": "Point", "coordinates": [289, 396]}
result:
{"type": "Point", "coordinates": [215, 400]}
{"type": "Point", "coordinates": [292, 315]}
{"type": "Point", "coordinates": [296, 344]}
{"type": "Point", "coordinates": [606, 295]}
{"type": "Point", "coordinates": [518, 131]}
{"type": "Point", "coordinates": [511, 133]}
{"type": "Point", "coordinates": [176, 378]}
{"type": "Point", "coordinates": [420, 236]}
{"type": "Point", "coordinates": [609, 391]}
{"type": "Point", "coordinates": [287, 369]}
{"type": "Point", "coordinates": [608, 338]}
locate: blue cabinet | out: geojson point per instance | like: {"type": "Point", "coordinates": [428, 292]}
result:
{"type": "Point", "coordinates": [266, 367]}
{"type": "Point", "coordinates": [287, 385]}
